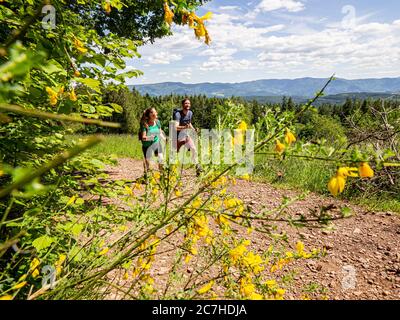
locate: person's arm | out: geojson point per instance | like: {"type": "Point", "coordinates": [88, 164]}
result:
{"type": "Point", "coordinates": [177, 121]}
{"type": "Point", "coordinates": [144, 135]}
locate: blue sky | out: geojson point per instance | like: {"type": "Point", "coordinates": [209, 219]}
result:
{"type": "Point", "coordinates": [276, 39]}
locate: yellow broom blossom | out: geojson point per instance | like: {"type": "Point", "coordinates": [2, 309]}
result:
{"type": "Point", "coordinates": [279, 147]}
{"type": "Point", "coordinates": [191, 18]}
{"type": "Point", "coordinates": [52, 95]}
{"type": "Point", "coordinates": [72, 95]}
{"type": "Point", "coordinates": [19, 285]}
{"type": "Point", "coordinates": [207, 16]}
{"type": "Point", "coordinates": [200, 31]}
{"type": "Point", "coordinates": [79, 46]}
{"type": "Point", "coordinates": [168, 14]}
{"type": "Point", "coordinates": [206, 288]}
{"type": "Point", "coordinates": [289, 137]}
{"type": "Point", "coordinates": [365, 171]}
{"type": "Point", "coordinates": [33, 267]}
{"type": "Point", "coordinates": [243, 126]}
{"type": "Point", "coordinates": [107, 7]}
{"type": "Point", "coordinates": [337, 183]}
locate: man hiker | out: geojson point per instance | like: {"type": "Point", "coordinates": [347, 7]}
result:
{"type": "Point", "coordinates": [183, 119]}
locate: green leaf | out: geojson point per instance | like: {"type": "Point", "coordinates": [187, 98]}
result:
{"type": "Point", "coordinates": [117, 107]}
{"type": "Point", "coordinates": [77, 229]}
{"type": "Point", "coordinates": [42, 242]}
{"type": "Point", "coordinates": [75, 254]}
{"type": "Point", "coordinates": [53, 67]}
{"type": "Point", "coordinates": [91, 83]}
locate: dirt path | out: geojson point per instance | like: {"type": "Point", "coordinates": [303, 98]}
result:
{"type": "Point", "coordinates": [366, 244]}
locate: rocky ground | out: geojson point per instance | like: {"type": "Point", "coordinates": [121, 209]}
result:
{"type": "Point", "coordinates": [363, 256]}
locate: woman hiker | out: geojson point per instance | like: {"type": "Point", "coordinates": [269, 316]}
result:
{"type": "Point", "coordinates": [150, 134]}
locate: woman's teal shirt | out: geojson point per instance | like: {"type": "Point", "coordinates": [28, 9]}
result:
{"type": "Point", "coordinates": [151, 130]}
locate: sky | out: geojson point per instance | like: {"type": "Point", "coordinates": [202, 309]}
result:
{"type": "Point", "coordinates": [279, 39]}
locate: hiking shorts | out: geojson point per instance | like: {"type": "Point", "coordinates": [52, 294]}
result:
{"type": "Point", "coordinates": [157, 151]}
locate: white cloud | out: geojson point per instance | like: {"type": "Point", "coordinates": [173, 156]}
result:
{"type": "Point", "coordinates": [164, 57]}
{"type": "Point", "coordinates": [229, 8]}
{"type": "Point", "coordinates": [373, 46]}
{"type": "Point", "coordinates": [272, 5]}
{"type": "Point", "coordinates": [225, 64]}
{"type": "Point", "coordinates": [183, 74]}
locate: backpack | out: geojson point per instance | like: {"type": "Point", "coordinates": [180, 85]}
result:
{"type": "Point", "coordinates": [158, 123]}
{"type": "Point", "coordinates": [180, 112]}
{"type": "Point", "coordinates": [175, 112]}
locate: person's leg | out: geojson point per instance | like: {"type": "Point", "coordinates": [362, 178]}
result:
{"type": "Point", "coordinates": [193, 150]}
{"type": "Point", "coordinates": [146, 163]}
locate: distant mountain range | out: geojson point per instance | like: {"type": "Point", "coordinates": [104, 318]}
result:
{"type": "Point", "coordinates": [300, 89]}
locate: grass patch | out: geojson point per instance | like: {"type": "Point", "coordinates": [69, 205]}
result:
{"type": "Point", "coordinates": [304, 175]}
{"type": "Point", "coordinates": [123, 145]}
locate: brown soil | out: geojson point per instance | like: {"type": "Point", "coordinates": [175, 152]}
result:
{"type": "Point", "coordinates": [367, 243]}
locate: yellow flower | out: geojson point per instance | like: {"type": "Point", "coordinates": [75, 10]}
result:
{"type": "Point", "coordinates": [178, 193]}
{"type": "Point", "coordinates": [365, 170]}
{"type": "Point", "coordinates": [279, 147]}
{"type": "Point", "coordinates": [256, 296]}
{"type": "Point", "coordinates": [52, 95]}
{"type": "Point", "coordinates": [59, 263]}
{"type": "Point", "coordinates": [206, 288]}
{"type": "Point", "coordinates": [79, 46]}
{"type": "Point", "coordinates": [254, 262]}
{"type": "Point", "coordinates": [126, 275]}
{"type": "Point", "coordinates": [168, 14]}
{"type": "Point", "coordinates": [222, 220]}
{"type": "Point", "coordinates": [33, 267]}
{"type": "Point", "coordinates": [243, 126]}
{"type": "Point", "coordinates": [289, 137]}
{"type": "Point", "coordinates": [128, 191]}
{"type": "Point", "coordinates": [236, 253]}
{"type": "Point", "coordinates": [19, 285]}
{"type": "Point", "coordinates": [289, 255]}
{"type": "Point", "coordinates": [154, 192]}
{"type": "Point", "coordinates": [72, 95]}
{"type": "Point", "coordinates": [168, 230]}
{"type": "Point", "coordinates": [279, 294]}
{"type": "Point", "coordinates": [191, 18]}
{"type": "Point", "coordinates": [270, 283]}
{"type": "Point", "coordinates": [107, 7]}
{"type": "Point", "coordinates": [207, 16]}
{"type": "Point", "coordinates": [188, 258]}
{"type": "Point", "coordinates": [197, 203]}
{"type": "Point", "coordinates": [246, 287]}
{"type": "Point", "coordinates": [347, 172]}
{"type": "Point", "coordinates": [7, 297]}
{"type": "Point", "coordinates": [157, 175]}
{"type": "Point", "coordinates": [200, 30]}
{"type": "Point", "coordinates": [337, 183]}
{"type": "Point", "coordinates": [77, 73]}
{"type": "Point", "coordinates": [103, 252]}
{"type": "Point", "coordinates": [300, 247]}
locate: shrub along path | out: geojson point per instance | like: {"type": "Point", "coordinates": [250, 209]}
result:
{"type": "Point", "coordinates": [366, 244]}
